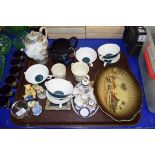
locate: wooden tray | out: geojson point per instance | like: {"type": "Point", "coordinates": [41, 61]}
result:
{"type": "Point", "coordinates": [68, 118]}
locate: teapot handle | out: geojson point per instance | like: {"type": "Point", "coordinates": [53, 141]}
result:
{"type": "Point", "coordinates": [75, 41]}
{"type": "Point", "coordinates": [41, 31]}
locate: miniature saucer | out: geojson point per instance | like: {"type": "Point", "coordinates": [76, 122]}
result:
{"type": "Point", "coordinates": [84, 112]}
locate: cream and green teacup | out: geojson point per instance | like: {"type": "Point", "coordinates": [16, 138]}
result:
{"type": "Point", "coordinates": [80, 70]}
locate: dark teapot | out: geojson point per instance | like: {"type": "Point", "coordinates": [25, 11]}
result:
{"type": "Point", "coordinates": [62, 50]}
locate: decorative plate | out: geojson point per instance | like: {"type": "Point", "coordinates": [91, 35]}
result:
{"type": "Point", "coordinates": [118, 93]}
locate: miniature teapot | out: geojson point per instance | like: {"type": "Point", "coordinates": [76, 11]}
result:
{"type": "Point", "coordinates": [36, 44]}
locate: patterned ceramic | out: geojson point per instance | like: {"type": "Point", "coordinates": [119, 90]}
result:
{"type": "Point", "coordinates": [36, 46]}
{"type": "Point", "coordinates": [109, 53]}
{"type": "Point", "coordinates": [84, 103]}
{"type": "Point", "coordinates": [59, 88]}
{"type": "Point", "coordinates": [118, 93]}
{"type": "Point", "coordinates": [36, 74]}
{"type": "Point", "coordinates": [86, 55]}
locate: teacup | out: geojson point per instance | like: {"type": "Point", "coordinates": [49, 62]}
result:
{"type": "Point", "coordinates": [59, 71]}
{"type": "Point", "coordinates": [37, 73]}
{"type": "Point", "coordinates": [59, 88]}
{"type": "Point", "coordinates": [4, 101]}
{"type": "Point", "coordinates": [11, 80]}
{"type": "Point", "coordinates": [109, 53]}
{"type": "Point", "coordinates": [15, 70]}
{"type": "Point", "coordinates": [6, 90]}
{"type": "Point", "coordinates": [80, 70]}
{"type": "Point", "coordinates": [86, 55]}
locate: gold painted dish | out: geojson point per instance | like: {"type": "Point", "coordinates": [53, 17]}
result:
{"type": "Point", "coordinates": [118, 93]}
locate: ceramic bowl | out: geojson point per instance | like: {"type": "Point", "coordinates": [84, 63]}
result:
{"type": "Point", "coordinates": [36, 74]}
{"type": "Point", "coordinates": [109, 53]}
{"type": "Point", "coordinates": [59, 88]}
{"type": "Point", "coordinates": [86, 55]}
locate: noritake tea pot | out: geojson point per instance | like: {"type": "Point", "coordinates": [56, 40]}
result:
{"type": "Point", "coordinates": [36, 44]}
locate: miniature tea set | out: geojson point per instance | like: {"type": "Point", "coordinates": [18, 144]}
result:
{"type": "Point", "coordinates": [54, 87]}
{"type": "Point", "coordinates": [84, 102]}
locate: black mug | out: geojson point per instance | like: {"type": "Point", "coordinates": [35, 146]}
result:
{"type": "Point", "coordinates": [62, 50]}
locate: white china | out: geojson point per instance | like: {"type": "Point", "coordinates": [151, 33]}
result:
{"type": "Point", "coordinates": [109, 53]}
{"type": "Point", "coordinates": [78, 102]}
{"type": "Point", "coordinates": [59, 70]}
{"type": "Point", "coordinates": [84, 112]}
{"type": "Point", "coordinates": [86, 55]}
{"type": "Point", "coordinates": [59, 88]}
{"type": "Point", "coordinates": [36, 46]}
{"type": "Point", "coordinates": [80, 70]}
{"type": "Point", "coordinates": [36, 74]}
{"type": "Point", "coordinates": [57, 101]}
{"type": "Point", "coordinates": [84, 104]}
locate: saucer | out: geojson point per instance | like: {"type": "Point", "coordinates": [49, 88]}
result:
{"type": "Point", "coordinates": [84, 112]}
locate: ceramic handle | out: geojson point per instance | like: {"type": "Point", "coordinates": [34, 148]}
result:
{"type": "Point", "coordinates": [75, 41]}
{"type": "Point", "coordinates": [41, 31]}
{"type": "Point", "coordinates": [87, 76]}
{"type": "Point", "coordinates": [90, 64]}
{"type": "Point", "coordinates": [100, 57]}
{"type": "Point", "coordinates": [50, 77]}
{"type": "Point", "coordinates": [104, 64]}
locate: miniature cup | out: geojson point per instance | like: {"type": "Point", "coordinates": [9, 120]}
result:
{"type": "Point", "coordinates": [15, 62]}
{"type": "Point", "coordinates": [80, 70]}
{"type": "Point", "coordinates": [15, 70]}
{"type": "Point", "coordinates": [11, 80]}
{"type": "Point", "coordinates": [59, 71]}
{"type": "Point", "coordinates": [4, 101]}
{"type": "Point", "coordinates": [6, 90]}
{"type": "Point", "coordinates": [18, 55]}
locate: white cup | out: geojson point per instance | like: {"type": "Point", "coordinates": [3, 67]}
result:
{"type": "Point", "coordinates": [80, 70]}
{"type": "Point", "coordinates": [59, 71]}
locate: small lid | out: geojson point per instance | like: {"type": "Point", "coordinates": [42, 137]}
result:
{"type": "Point", "coordinates": [85, 82]}
{"type": "Point", "coordinates": [33, 37]}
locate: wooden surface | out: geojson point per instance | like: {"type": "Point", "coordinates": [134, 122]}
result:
{"type": "Point", "coordinates": [55, 32]}
{"type": "Point", "coordinates": [68, 118]}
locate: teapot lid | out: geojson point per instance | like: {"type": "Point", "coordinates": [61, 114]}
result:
{"type": "Point", "coordinates": [33, 37]}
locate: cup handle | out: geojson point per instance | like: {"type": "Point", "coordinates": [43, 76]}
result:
{"type": "Point", "coordinates": [87, 76]}
{"type": "Point", "coordinates": [90, 64]}
{"type": "Point", "coordinates": [104, 64]}
{"type": "Point", "coordinates": [41, 31]}
{"type": "Point", "coordinates": [50, 77]}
